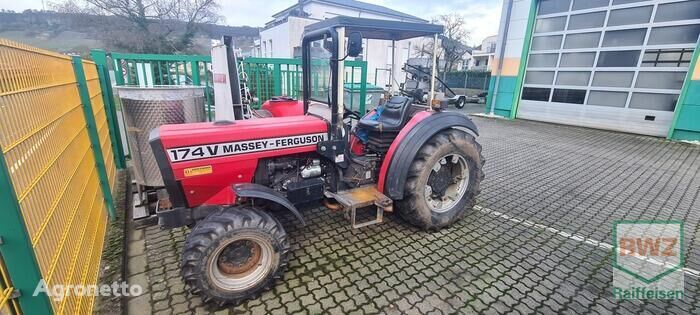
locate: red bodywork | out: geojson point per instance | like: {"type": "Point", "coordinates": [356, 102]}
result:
{"type": "Point", "coordinates": [284, 107]}
{"type": "Point", "coordinates": [214, 187]}
{"type": "Point", "coordinates": [395, 144]}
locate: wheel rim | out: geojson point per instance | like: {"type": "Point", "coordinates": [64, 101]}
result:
{"type": "Point", "coordinates": [241, 263]}
{"type": "Point", "coordinates": [447, 183]}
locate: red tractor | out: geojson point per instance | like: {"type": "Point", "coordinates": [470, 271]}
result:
{"type": "Point", "coordinates": [225, 177]}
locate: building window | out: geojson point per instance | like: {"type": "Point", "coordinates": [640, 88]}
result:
{"type": "Point", "coordinates": [550, 25]}
{"type": "Point", "coordinates": [684, 34]}
{"type": "Point", "coordinates": [539, 77]}
{"type": "Point", "coordinates": [627, 58]}
{"type": "Point", "coordinates": [546, 42]}
{"type": "Point", "coordinates": [689, 10]}
{"type": "Point", "coordinates": [633, 37]}
{"type": "Point", "coordinates": [589, 20]}
{"type": "Point", "coordinates": [667, 58]}
{"type": "Point", "coordinates": [589, 4]}
{"type": "Point", "coordinates": [569, 96]}
{"type": "Point", "coordinates": [585, 40]}
{"type": "Point", "coordinates": [584, 59]}
{"type": "Point", "coordinates": [613, 79]}
{"type": "Point", "coordinates": [536, 94]}
{"type": "Point", "coordinates": [630, 16]}
{"type": "Point", "coordinates": [578, 78]}
{"type": "Point", "coordinates": [543, 61]}
{"type": "Point", "coordinates": [600, 58]}
{"type": "Point", "coordinates": [660, 80]}
{"type": "Point", "coordinates": [605, 98]}
{"type": "Point", "coordinates": [553, 6]}
{"type": "Point", "coordinates": [654, 101]}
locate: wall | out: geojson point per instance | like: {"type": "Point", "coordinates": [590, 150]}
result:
{"type": "Point", "coordinates": [509, 81]}
{"type": "Point", "coordinates": [377, 53]}
{"type": "Point", "coordinates": [686, 124]}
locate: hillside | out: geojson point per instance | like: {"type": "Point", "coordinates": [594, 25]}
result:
{"type": "Point", "coordinates": [78, 33]}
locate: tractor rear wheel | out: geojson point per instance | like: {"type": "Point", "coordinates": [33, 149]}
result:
{"type": "Point", "coordinates": [443, 180]}
{"type": "Point", "coordinates": [234, 254]}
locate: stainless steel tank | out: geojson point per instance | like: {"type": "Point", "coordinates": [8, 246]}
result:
{"type": "Point", "coordinates": [148, 108]}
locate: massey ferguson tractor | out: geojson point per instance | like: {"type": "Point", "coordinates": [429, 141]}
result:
{"type": "Point", "coordinates": [227, 179]}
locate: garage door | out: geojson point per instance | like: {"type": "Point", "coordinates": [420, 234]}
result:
{"type": "Point", "coordinates": [610, 64]}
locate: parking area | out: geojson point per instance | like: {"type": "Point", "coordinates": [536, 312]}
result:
{"type": "Point", "coordinates": [537, 242]}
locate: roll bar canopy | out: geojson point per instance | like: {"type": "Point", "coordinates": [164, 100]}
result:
{"type": "Point", "coordinates": [377, 29]}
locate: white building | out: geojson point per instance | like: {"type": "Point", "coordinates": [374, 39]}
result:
{"type": "Point", "coordinates": [281, 37]}
{"type": "Point", "coordinates": [622, 65]}
{"type": "Point", "coordinates": [482, 56]}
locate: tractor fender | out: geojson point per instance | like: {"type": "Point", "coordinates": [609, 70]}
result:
{"type": "Point", "coordinates": [251, 190]}
{"type": "Point", "coordinates": [403, 150]}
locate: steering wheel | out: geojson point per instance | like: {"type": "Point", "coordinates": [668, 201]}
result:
{"type": "Point", "coordinates": [348, 113]}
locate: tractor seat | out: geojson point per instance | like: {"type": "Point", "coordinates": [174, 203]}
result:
{"type": "Point", "coordinates": [393, 117]}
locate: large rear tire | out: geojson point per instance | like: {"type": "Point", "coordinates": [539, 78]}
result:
{"type": "Point", "coordinates": [234, 254]}
{"type": "Point", "coordinates": [443, 180]}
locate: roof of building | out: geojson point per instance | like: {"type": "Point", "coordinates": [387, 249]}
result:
{"type": "Point", "coordinates": [358, 5]}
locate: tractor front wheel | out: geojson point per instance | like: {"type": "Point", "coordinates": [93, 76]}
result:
{"type": "Point", "coordinates": [234, 254]}
{"type": "Point", "coordinates": [443, 180]}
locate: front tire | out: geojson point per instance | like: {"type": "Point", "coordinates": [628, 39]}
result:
{"type": "Point", "coordinates": [443, 180]}
{"type": "Point", "coordinates": [234, 254]}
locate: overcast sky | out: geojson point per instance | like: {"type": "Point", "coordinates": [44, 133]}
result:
{"type": "Point", "coordinates": [482, 16]}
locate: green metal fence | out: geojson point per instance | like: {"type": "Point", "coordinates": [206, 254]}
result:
{"type": "Point", "coordinates": [269, 77]}
{"type": "Point", "coordinates": [266, 77]}
{"type": "Point", "coordinates": [150, 69]}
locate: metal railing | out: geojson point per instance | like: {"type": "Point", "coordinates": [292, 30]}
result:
{"type": "Point", "coordinates": [150, 69]}
{"type": "Point", "coordinates": [269, 77]}
{"type": "Point", "coordinates": [266, 77]}
{"type": "Point", "coordinates": [56, 183]}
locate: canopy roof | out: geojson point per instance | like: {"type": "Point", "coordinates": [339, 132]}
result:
{"type": "Point", "coordinates": [378, 29]}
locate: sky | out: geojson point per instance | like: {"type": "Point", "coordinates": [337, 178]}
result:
{"type": "Point", "coordinates": [481, 16]}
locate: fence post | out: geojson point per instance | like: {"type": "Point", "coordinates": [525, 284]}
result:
{"type": "Point", "coordinates": [277, 79]}
{"type": "Point", "coordinates": [92, 132]}
{"type": "Point", "coordinates": [17, 251]}
{"type": "Point", "coordinates": [363, 87]}
{"type": "Point", "coordinates": [100, 58]}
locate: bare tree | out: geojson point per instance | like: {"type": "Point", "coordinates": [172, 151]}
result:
{"type": "Point", "coordinates": [453, 41]}
{"type": "Point", "coordinates": [148, 26]}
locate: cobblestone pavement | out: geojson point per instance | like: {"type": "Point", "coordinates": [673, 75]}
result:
{"type": "Point", "coordinates": [520, 250]}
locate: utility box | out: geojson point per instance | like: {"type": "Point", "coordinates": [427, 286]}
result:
{"type": "Point", "coordinates": [148, 108]}
{"type": "Point", "coordinates": [352, 96]}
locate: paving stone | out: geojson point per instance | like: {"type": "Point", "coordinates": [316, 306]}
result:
{"type": "Point", "coordinates": [495, 260]}
{"type": "Point", "coordinates": [136, 248]}
{"type": "Point", "coordinates": [140, 279]}
{"type": "Point", "coordinates": [139, 305]}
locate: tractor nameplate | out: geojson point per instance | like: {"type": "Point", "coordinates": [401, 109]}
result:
{"type": "Point", "coordinates": [241, 147]}
{"type": "Point", "coordinates": [199, 170]}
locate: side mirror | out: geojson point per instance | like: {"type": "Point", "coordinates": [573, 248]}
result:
{"type": "Point", "coordinates": [354, 44]}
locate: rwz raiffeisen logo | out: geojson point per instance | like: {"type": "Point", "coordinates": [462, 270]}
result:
{"type": "Point", "coordinates": [648, 261]}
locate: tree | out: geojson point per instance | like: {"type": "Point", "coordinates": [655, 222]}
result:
{"type": "Point", "coordinates": [453, 41]}
{"type": "Point", "coordinates": [148, 26]}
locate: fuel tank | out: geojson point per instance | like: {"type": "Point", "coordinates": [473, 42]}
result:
{"type": "Point", "coordinates": [205, 159]}
{"type": "Point", "coordinates": [284, 107]}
